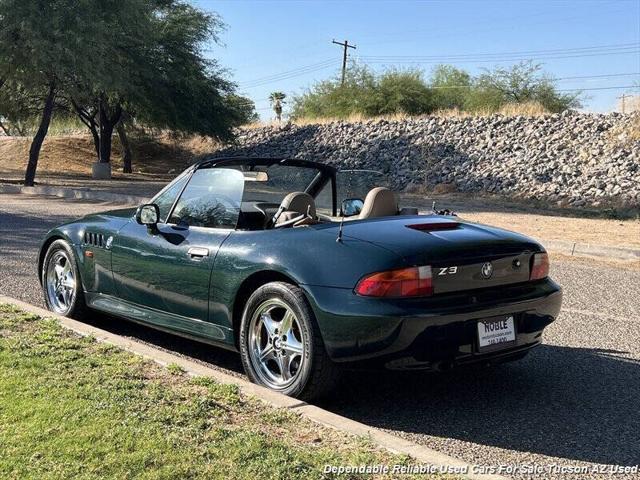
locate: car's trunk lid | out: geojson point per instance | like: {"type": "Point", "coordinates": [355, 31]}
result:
{"type": "Point", "coordinates": [462, 255]}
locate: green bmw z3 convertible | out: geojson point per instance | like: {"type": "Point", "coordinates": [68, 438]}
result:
{"type": "Point", "coordinates": [261, 256]}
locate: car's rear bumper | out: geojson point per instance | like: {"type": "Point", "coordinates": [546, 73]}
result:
{"type": "Point", "coordinates": [430, 333]}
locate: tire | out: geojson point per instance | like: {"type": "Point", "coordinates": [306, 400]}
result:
{"type": "Point", "coordinates": [264, 325]}
{"type": "Point", "coordinates": [61, 282]}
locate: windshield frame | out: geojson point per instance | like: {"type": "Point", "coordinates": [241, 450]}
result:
{"type": "Point", "coordinates": [326, 173]}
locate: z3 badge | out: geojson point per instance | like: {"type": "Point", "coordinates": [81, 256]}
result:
{"type": "Point", "coordinates": [447, 270]}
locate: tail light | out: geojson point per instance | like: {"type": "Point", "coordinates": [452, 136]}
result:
{"type": "Point", "coordinates": [539, 266]}
{"type": "Point", "coordinates": [406, 282]}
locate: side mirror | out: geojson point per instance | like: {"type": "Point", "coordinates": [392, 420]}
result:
{"type": "Point", "coordinates": [148, 215]}
{"type": "Point", "coordinates": [351, 207]}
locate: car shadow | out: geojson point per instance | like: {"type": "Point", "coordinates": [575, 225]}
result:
{"type": "Point", "coordinates": [574, 403]}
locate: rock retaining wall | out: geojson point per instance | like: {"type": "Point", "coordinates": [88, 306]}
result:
{"type": "Point", "coordinates": [570, 159]}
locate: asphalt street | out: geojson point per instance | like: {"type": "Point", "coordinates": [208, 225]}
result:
{"type": "Point", "coordinates": [574, 401]}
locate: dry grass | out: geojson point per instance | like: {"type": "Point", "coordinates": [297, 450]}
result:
{"type": "Point", "coordinates": [529, 109]}
{"type": "Point", "coordinates": [631, 104]}
{"type": "Point", "coordinates": [154, 154]}
{"type": "Point", "coordinates": [626, 134]}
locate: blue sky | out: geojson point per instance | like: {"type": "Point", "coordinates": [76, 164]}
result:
{"type": "Point", "coordinates": [286, 45]}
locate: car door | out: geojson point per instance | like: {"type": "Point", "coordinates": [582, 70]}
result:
{"type": "Point", "coordinates": [166, 270]}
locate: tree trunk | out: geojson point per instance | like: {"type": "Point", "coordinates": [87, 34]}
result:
{"type": "Point", "coordinates": [36, 144]}
{"type": "Point", "coordinates": [96, 141]}
{"type": "Point", "coordinates": [88, 118]}
{"type": "Point", "coordinates": [107, 124]}
{"type": "Point", "coordinates": [126, 148]}
{"type": "Point", "coordinates": [4, 129]}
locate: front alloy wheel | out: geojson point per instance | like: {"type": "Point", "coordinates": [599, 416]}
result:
{"type": "Point", "coordinates": [61, 285]}
{"type": "Point", "coordinates": [60, 282]}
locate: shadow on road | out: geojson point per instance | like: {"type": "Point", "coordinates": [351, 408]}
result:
{"type": "Point", "coordinates": [574, 403]}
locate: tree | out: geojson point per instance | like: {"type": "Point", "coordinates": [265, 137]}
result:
{"type": "Point", "coordinates": [521, 83]}
{"type": "Point", "coordinates": [42, 46]}
{"type": "Point", "coordinates": [277, 99]}
{"type": "Point", "coordinates": [451, 87]}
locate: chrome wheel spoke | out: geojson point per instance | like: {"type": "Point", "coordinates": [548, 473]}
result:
{"type": "Point", "coordinates": [65, 296]}
{"type": "Point", "coordinates": [292, 346]}
{"type": "Point", "coordinates": [58, 271]}
{"type": "Point", "coordinates": [269, 324]}
{"type": "Point", "coordinates": [284, 364]}
{"type": "Point", "coordinates": [287, 323]}
{"type": "Point", "coordinates": [267, 353]}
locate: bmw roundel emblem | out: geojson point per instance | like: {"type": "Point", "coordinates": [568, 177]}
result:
{"type": "Point", "coordinates": [487, 270]}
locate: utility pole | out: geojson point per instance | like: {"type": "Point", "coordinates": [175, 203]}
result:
{"type": "Point", "coordinates": [345, 45]}
{"type": "Point", "coordinates": [622, 97]}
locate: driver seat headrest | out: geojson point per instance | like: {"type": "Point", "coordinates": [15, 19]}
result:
{"type": "Point", "coordinates": [380, 202]}
{"type": "Point", "coordinates": [296, 204]}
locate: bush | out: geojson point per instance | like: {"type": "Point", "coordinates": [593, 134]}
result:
{"type": "Point", "coordinates": [367, 94]}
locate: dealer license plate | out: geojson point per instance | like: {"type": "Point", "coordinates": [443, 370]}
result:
{"type": "Point", "coordinates": [495, 332]}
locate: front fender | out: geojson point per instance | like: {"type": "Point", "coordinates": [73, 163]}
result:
{"type": "Point", "coordinates": [71, 233]}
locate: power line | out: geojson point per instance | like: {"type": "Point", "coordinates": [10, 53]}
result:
{"type": "Point", "coordinates": [289, 73]}
{"type": "Point", "coordinates": [511, 53]}
{"type": "Point", "coordinates": [597, 88]}
{"type": "Point", "coordinates": [501, 60]}
{"type": "Point", "coordinates": [550, 79]}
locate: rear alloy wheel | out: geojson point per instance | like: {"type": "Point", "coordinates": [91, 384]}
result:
{"type": "Point", "coordinates": [63, 293]}
{"type": "Point", "coordinates": [280, 343]}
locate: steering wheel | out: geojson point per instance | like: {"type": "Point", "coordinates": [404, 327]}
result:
{"type": "Point", "coordinates": [262, 207]}
{"type": "Point", "coordinates": [293, 221]}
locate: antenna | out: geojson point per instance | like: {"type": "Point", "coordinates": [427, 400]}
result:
{"type": "Point", "coordinates": [339, 239]}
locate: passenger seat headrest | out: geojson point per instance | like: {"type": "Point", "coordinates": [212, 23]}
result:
{"type": "Point", "coordinates": [380, 202]}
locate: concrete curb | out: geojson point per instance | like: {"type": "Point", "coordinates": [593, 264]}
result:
{"type": "Point", "coordinates": [318, 415]}
{"type": "Point", "coordinates": [559, 246]}
{"type": "Point", "coordinates": [77, 193]}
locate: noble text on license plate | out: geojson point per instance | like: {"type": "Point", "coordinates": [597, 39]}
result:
{"type": "Point", "coordinates": [495, 332]}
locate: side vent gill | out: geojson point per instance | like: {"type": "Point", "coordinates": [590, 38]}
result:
{"type": "Point", "coordinates": [95, 239]}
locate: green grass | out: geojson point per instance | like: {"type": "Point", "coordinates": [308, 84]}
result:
{"type": "Point", "coordinates": [71, 407]}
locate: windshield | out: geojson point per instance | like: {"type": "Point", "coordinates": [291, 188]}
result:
{"type": "Point", "coordinates": [281, 180]}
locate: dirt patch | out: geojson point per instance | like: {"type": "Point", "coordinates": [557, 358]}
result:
{"type": "Point", "coordinates": [74, 154]}
{"type": "Point", "coordinates": [597, 231]}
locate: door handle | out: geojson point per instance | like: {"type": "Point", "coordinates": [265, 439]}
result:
{"type": "Point", "coordinates": [198, 252]}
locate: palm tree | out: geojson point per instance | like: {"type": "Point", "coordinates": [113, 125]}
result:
{"type": "Point", "coordinates": [277, 99]}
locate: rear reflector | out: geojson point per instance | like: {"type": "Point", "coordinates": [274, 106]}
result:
{"type": "Point", "coordinates": [539, 266]}
{"type": "Point", "coordinates": [434, 226]}
{"type": "Point", "coordinates": [406, 282]}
